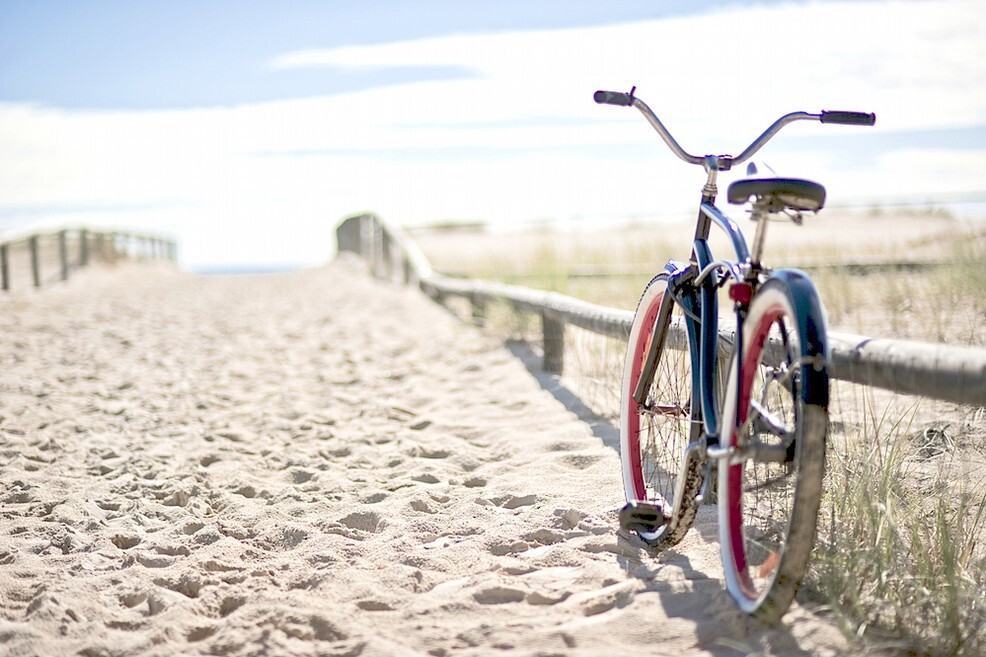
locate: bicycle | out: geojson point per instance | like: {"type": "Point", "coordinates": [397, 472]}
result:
{"type": "Point", "coordinates": [760, 442]}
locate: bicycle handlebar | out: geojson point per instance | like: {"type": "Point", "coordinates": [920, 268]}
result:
{"type": "Point", "coordinates": [848, 118]}
{"type": "Point", "coordinates": [725, 162]}
{"type": "Point", "coordinates": [613, 98]}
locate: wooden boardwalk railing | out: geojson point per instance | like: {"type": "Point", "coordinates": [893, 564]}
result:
{"type": "Point", "coordinates": [937, 371]}
{"type": "Point", "coordinates": [54, 254]}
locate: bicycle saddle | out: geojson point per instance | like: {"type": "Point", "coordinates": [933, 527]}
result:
{"type": "Point", "coordinates": [780, 193]}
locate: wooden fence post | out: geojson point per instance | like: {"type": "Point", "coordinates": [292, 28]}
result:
{"type": "Point", "coordinates": [63, 252]}
{"type": "Point", "coordinates": [478, 303]}
{"type": "Point", "coordinates": [83, 247]}
{"type": "Point", "coordinates": [386, 258]}
{"type": "Point", "coordinates": [407, 269]}
{"type": "Point", "coordinates": [366, 240]}
{"type": "Point", "coordinates": [35, 260]}
{"type": "Point", "coordinates": [348, 235]}
{"type": "Point", "coordinates": [553, 333]}
{"type": "Point", "coordinates": [5, 266]}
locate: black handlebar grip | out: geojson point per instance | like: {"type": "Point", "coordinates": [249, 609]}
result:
{"type": "Point", "coordinates": [848, 118]}
{"type": "Point", "coordinates": [613, 98]}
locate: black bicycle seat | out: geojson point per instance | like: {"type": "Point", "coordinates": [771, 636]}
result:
{"type": "Point", "coordinates": [792, 193]}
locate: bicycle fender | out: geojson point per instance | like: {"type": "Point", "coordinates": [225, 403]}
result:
{"type": "Point", "coordinates": [815, 346]}
{"type": "Point", "coordinates": [709, 328]}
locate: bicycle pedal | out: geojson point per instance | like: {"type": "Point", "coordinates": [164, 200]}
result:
{"type": "Point", "coordinates": [643, 517]}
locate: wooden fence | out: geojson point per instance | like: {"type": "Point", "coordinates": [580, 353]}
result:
{"type": "Point", "coordinates": [43, 256]}
{"type": "Point", "coordinates": [945, 372]}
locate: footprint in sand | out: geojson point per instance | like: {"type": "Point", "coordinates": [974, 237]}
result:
{"type": "Point", "coordinates": [312, 628]}
{"type": "Point", "coordinates": [200, 633]}
{"type": "Point", "coordinates": [246, 491]}
{"type": "Point", "coordinates": [498, 595]}
{"type": "Point", "coordinates": [602, 600]}
{"type": "Point", "coordinates": [172, 550]}
{"type": "Point", "coordinates": [433, 503]}
{"type": "Point", "coordinates": [153, 560]}
{"type": "Point", "coordinates": [177, 498]}
{"type": "Point", "coordinates": [551, 585]}
{"type": "Point", "coordinates": [513, 547]}
{"type": "Point", "coordinates": [301, 476]}
{"type": "Point", "coordinates": [133, 598]}
{"type": "Point", "coordinates": [125, 541]}
{"type": "Point", "coordinates": [580, 461]}
{"type": "Point", "coordinates": [508, 501]}
{"type": "Point", "coordinates": [188, 585]}
{"type": "Point", "coordinates": [423, 506]}
{"type": "Point", "coordinates": [231, 604]}
{"type": "Point", "coordinates": [190, 528]}
{"type": "Point", "coordinates": [429, 453]}
{"type": "Point", "coordinates": [544, 536]}
{"type": "Point", "coordinates": [366, 521]}
{"type": "Point", "coordinates": [279, 537]}
{"type": "Point", "coordinates": [518, 501]}
{"type": "Point", "coordinates": [374, 605]}
{"type": "Point", "coordinates": [568, 518]}
{"type": "Point", "coordinates": [546, 598]}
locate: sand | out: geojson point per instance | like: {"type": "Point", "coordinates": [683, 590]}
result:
{"type": "Point", "coordinates": [319, 463]}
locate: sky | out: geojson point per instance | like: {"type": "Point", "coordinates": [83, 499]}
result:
{"type": "Point", "coordinates": [248, 130]}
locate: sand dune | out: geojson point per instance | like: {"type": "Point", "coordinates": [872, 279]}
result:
{"type": "Point", "coordinates": [318, 464]}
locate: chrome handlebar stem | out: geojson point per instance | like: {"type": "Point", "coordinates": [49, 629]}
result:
{"type": "Point", "coordinates": [719, 162]}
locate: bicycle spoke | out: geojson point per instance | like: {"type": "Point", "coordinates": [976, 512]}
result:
{"type": "Point", "coordinates": [665, 410]}
{"type": "Point", "coordinates": [656, 430]}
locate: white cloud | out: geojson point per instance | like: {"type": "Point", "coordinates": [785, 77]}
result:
{"type": "Point", "coordinates": [521, 139]}
{"type": "Point", "coordinates": [911, 61]}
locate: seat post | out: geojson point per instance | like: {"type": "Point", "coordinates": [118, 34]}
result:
{"type": "Point", "coordinates": [760, 215]}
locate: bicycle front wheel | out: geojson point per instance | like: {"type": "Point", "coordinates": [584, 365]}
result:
{"type": "Point", "coordinates": [654, 433]}
{"type": "Point", "coordinates": [770, 486]}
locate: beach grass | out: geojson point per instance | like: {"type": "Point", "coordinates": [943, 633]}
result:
{"type": "Point", "coordinates": [900, 557]}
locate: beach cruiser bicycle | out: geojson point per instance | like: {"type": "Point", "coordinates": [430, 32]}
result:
{"type": "Point", "coordinates": [758, 441]}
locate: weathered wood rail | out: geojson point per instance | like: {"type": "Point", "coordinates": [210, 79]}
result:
{"type": "Point", "coordinates": [937, 371]}
{"type": "Point", "coordinates": [54, 254]}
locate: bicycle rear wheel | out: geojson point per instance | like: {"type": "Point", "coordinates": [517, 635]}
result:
{"type": "Point", "coordinates": [655, 433]}
{"type": "Point", "coordinates": [770, 488]}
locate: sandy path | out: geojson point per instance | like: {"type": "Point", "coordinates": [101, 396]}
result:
{"type": "Point", "coordinates": [317, 464]}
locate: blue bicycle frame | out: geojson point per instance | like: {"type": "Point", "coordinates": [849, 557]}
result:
{"type": "Point", "coordinates": [702, 313]}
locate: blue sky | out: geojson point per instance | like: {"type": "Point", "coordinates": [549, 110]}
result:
{"type": "Point", "coordinates": [248, 129]}
{"type": "Point", "coordinates": [151, 55]}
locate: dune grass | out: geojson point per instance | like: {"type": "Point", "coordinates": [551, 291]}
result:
{"type": "Point", "coordinates": [900, 560]}
{"type": "Point", "coordinates": [901, 549]}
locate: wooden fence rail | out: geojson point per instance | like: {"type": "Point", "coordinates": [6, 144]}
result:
{"type": "Point", "coordinates": [65, 250]}
{"type": "Point", "coordinates": [937, 371]}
